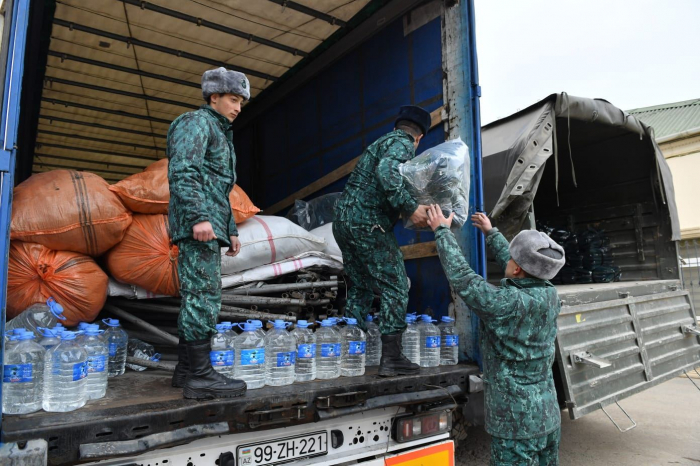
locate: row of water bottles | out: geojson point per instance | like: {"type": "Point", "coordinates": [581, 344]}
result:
{"type": "Point", "coordinates": [280, 357]}
{"type": "Point", "coordinates": [60, 370]}
{"type": "Point", "coordinates": [430, 345]}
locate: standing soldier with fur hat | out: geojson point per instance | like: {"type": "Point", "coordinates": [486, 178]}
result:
{"type": "Point", "coordinates": [517, 332]}
{"type": "Point", "coordinates": [201, 174]}
{"type": "Point", "coordinates": [374, 198]}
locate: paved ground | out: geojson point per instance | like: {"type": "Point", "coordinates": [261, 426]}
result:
{"type": "Point", "coordinates": [667, 432]}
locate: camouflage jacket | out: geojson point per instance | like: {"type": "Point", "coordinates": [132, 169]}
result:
{"type": "Point", "coordinates": [375, 193]}
{"type": "Point", "coordinates": [201, 174]}
{"type": "Point", "coordinates": [517, 332]}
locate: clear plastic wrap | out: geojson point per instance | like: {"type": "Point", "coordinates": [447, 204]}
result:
{"type": "Point", "coordinates": [316, 212]}
{"type": "Point", "coordinates": [440, 175]}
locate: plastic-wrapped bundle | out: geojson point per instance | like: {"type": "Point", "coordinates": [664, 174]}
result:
{"type": "Point", "coordinates": [318, 211]}
{"type": "Point", "coordinates": [605, 274]}
{"type": "Point", "coordinates": [440, 175]}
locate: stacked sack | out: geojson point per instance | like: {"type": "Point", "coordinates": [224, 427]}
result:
{"type": "Point", "coordinates": [61, 221]}
{"type": "Point", "coordinates": [146, 257]}
{"type": "Point", "coordinates": [589, 258]}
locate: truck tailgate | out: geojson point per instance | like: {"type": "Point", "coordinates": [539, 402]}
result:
{"type": "Point", "coordinates": [619, 339]}
{"type": "Point", "coordinates": [139, 404]}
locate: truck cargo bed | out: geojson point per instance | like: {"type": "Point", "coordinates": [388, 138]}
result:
{"type": "Point", "coordinates": [141, 404]}
{"type": "Point", "coordinates": [572, 295]}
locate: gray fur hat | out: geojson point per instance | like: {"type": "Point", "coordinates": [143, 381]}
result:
{"type": "Point", "coordinates": [537, 254]}
{"type": "Point", "coordinates": [223, 81]}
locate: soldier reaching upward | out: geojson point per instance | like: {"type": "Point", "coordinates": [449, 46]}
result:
{"type": "Point", "coordinates": [373, 199]}
{"type": "Point", "coordinates": [201, 174]}
{"type": "Point", "coordinates": [518, 328]}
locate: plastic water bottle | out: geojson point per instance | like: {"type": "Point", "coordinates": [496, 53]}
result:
{"type": "Point", "coordinates": [449, 342]}
{"type": "Point", "coordinates": [328, 350]}
{"type": "Point", "coordinates": [354, 341]}
{"type": "Point", "coordinates": [49, 338]}
{"type": "Point", "coordinates": [374, 342]}
{"type": "Point", "coordinates": [229, 333]}
{"type": "Point", "coordinates": [250, 357]}
{"type": "Point", "coordinates": [140, 350]}
{"type": "Point", "coordinates": [411, 340]}
{"type": "Point", "coordinates": [66, 376]}
{"type": "Point", "coordinates": [97, 362]}
{"type": "Point", "coordinates": [258, 327]}
{"type": "Point", "coordinates": [281, 349]}
{"type": "Point", "coordinates": [305, 368]}
{"type": "Point", "coordinates": [23, 375]}
{"type": "Point", "coordinates": [117, 340]}
{"type": "Point", "coordinates": [429, 342]}
{"type": "Point", "coordinates": [222, 355]}
{"type": "Point", "coordinates": [38, 315]}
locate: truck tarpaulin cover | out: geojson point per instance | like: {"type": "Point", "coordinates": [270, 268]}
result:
{"type": "Point", "coordinates": [148, 192]}
{"type": "Point", "coordinates": [145, 257]}
{"type": "Point", "coordinates": [67, 210]}
{"type": "Point", "coordinates": [74, 280]}
{"type": "Point", "coordinates": [516, 149]}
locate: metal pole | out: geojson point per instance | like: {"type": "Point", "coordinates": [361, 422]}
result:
{"type": "Point", "coordinates": [100, 126]}
{"type": "Point", "coordinates": [105, 141]}
{"type": "Point", "coordinates": [14, 70]}
{"type": "Point", "coordinates": [122, 113]}
{"type": "Point", "coordinates": [282, 288]}
{"type": "Point", "coordinates": [141, 323]}
{"type": "Point", "coordinates": [150, 364]}
{"type": "Point", "coordinates": [96, 151]}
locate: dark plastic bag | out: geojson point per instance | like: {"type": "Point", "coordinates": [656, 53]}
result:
{"type": "Point", "coordinates": [315, 213]}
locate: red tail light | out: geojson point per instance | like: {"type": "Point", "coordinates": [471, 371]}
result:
{"type": "Point", "coordinates": [422, 425]}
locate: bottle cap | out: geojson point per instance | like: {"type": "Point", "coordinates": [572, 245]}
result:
{"type": "Point", "coordinates": [369, 318]}
{"type": "Point", "coordinates": [256, 323]}
{"type": "Point", "coordinates": [68, 335]}
{"type": "Point", "coordinates": [447, 319]}
{"type": "Point", "coordinates": [25, 336]}
{"type": "Point", "coordinates": [303, 324]}
{"type": "Point", "coordinates": [92, 330]}
{"type": "Point", "coordinates": [248, 327]}
{"type": "Point", "coordinates": [111, 322]}
{"type": "Point", "coordinates": [221, 328]}
{"type": "Point", "coordinates": [278, 324]}
{"type": "Point", "coordinates": [56, 309]}
{"type": "Point", "coordinates": [327, 323]}
{"type": "Point", "coordinates": [426, 318]}
{"type": "Point", "coordinates": [350, 321]}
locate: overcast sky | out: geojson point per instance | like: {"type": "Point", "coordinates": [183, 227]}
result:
{"type": "Point", "coordinates": [633, 53]}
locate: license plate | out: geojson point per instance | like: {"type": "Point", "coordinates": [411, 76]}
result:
{"type": "Point", "coordinates": [283, 450]}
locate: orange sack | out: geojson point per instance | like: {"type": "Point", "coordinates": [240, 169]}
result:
{"type": "Point", "coordinates": [241, 205]}
{"type": "Point", "coordinates": [146, 192]}
{"type": "Point", "coordinates": [67, 210]}
{"type": "Point", "coordinates": [74, 280]}
{"type": "Point", "coordinates": [145, 257]}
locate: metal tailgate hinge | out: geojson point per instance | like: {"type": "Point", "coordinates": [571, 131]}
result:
{"type": "Point", "coordinates": [584, 357]}
{"type": "Point", "coordinates": [691, 329]}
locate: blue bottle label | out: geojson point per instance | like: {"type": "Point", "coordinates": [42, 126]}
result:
{"type": "Point", "coordinates": [252, 357]}
{"type": "Point", "coordinates": [80, 370]}
{"type": "Point", "coordinates": [286, 359]}
{"type": "Point", "coordinates": [357, 347]}
{"type": "Point", "coordinates": [432, 342]}
{"type": "Point", "coordinates": [330, 350]}
{"type": "Point", "coordinates": [451, 340]}
{"type": "Point", "coordinates": [17, 373]}
{"type": "Point", "coordinates": [306, 351]}
{"type": "Point", "coordinates": [112, 349]}
{"type": "Point", "coordinates": [221, 358]}
{"type": "Point", "coordinates": [96, 363]}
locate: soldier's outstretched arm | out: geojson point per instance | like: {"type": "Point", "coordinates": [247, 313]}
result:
{"type": "Point", "coordinates": [495, 241]}
{"type": "Point", "coordinates": [490, 303]}
{"type": "Point", "coordinates": [391, 180]}
{"type": "Point", "coordinates": [187, 145]}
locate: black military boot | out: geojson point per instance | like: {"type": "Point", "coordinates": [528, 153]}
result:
{"type": "Point", "coordinates": [183, 365]}
{"type": "Point", "coordinates": [203, 382]}
{"type": "Point", "coordinates": [393, 361]}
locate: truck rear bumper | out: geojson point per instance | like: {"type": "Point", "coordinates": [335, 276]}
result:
{"type": "Point", "coordinates": [143, 404]}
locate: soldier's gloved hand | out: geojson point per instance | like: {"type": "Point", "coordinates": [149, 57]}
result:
{"type": "Point", "coordinates": [437, 218]}
{"type": "Point", "coordinates": [482, 222]}
{"type": "Point", "coordinates": [420, 217]}
{"type": "Point", "coordinates": [203, 231]}
{"type": "Point", "coordinates": [235, 247]}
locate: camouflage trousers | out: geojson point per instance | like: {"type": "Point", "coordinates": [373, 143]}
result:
{"type": "Point", "coordinates": [538, 451]}
{"type": "Point", "coordinates": [199, 269]}
{"type": "Point", "coordinates": [373, 261]}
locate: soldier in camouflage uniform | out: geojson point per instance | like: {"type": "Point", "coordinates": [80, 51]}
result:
{"type": "Point", "coordinates": [201, 174]}
{"type": "Point", "coordinates": [518, 328]}
{"type": "Point", "coordinates": [372, 201]}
